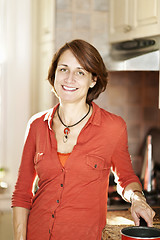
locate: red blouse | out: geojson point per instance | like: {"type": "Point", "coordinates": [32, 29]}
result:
{"type": "Point", "coordinates": [71, 201]}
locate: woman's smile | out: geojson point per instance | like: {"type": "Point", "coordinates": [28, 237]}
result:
{"type": "Point", "coordinates": [68, 88]}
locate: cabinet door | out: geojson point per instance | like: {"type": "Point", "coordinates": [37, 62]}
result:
{"type": "Point", "coordinates": [6, 228]}
{"type": "Point", "coordinates": [45, 95]}
{"type": "Point", "coordinates": [146, 18]}
{"type": "Point", "coordinates": [46, 19]}
{"type": "Point", "coordinates": [130, 19]}
{"type": "Point", "coordinates": [119, 20]}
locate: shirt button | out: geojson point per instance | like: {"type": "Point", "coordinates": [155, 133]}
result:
{"type": "Point", "coordinates": [61, 185]}
{"type": "Point", "coordinates": [49, 231]}
{"type": "Point", "coordinates": [95, 165]}
{"type": "Point", "coordinates": [57, 201]}
{"type": "Point", "coordinates": [52, 215]}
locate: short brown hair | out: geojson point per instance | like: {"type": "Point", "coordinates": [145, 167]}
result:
{"type": "Point", "coordinates": [90, 59]}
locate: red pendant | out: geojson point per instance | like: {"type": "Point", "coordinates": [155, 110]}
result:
{"type": "Point", "coordinates": [66, 131]}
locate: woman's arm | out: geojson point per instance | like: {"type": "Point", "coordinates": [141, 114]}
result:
{"type": "Point", "coordinates": [20, 218]}
{"type": "Point", "coordinates": [139, 206]}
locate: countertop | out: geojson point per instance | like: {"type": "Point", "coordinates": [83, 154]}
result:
{"type": "Point", "coordinates": [116, 220]}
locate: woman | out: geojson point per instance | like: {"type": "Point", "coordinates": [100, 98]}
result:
{"type": "Point", "coordinates": [72, 148]}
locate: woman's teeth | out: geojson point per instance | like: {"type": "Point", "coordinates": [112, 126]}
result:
{"type": "Point", "coordinates": [69, 88]}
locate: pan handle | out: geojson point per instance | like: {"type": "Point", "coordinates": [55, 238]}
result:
{"type": "Point", "coordinates": [143, 223]}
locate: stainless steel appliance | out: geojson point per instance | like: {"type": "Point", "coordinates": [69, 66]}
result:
{"type": "Point", "coordinates": [138, 54]}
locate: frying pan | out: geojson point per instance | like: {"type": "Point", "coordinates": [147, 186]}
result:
{"type": "Point", "coordinates": [141, 232]}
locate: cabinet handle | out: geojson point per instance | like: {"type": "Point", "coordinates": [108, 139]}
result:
{"type": "Point", "coordinates": [127, 28]}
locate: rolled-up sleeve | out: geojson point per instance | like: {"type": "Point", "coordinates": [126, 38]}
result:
{"type": "Point", "coordinates": [22, 195]}
{"type": "Point", "coordinates": [121, 163]}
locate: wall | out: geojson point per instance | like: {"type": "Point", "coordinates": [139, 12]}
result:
{"type": "Point", "coordinates": [134, 96]}
{"type": "Point", "coordinates": [85, 19]}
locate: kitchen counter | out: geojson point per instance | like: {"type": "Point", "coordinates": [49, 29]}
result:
{"type": "Point", "coordinates": [116, 220]}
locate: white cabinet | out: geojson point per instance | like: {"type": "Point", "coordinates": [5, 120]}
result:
{"type": "Point", "coordinates": [45, 93]}
{"type": "Point", "coordinates": [6, 228]}
{"type": "Point", "coordinates": [46, 15]}
{"type": "Point", "coordinates": [131, 19]}
{"type": "Point", "coordinates": [43, 50]}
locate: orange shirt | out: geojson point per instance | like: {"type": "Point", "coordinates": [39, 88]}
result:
{"type": "Point", "coordinates": [63, 157]}
{"type": "Point", "coordinates": [71, 201]}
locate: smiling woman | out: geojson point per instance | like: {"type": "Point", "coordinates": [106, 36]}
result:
{"type": "Point", "coordinates": [71, 149]}
{"type": "Point", "coordinates": [88, 61]}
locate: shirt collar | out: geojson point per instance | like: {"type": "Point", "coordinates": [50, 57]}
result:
{"type": "Point", "coordinates": [95, 118]}
{"type": "Point", "coordinates": [49, 116]}
{"type": "Point", "coordinates": [96, 115]}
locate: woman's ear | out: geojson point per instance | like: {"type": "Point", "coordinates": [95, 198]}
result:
{"type": "Point", "coordinates": [94, 80]}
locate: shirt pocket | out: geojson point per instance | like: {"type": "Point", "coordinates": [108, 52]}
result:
{"type": "Point", "coordinates": [38, 157]}
{"type": "Point", "coordinates": [95, 165]}
{"type": "Point", "coordinates": [95, 162]}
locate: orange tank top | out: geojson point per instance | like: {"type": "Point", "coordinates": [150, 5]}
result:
{"type": "Point", "coordinates": [63, 157]}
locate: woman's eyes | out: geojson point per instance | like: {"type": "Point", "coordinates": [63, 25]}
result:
{"type": "Point", "coordinates": [77, 72]}
{"type": "Point", "coordinates": [80, 73]}
{"type": "Point", "coordinates": [63, 69]}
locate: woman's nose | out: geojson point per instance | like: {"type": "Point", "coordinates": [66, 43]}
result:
{"type": "Point", "coordinates": [70, 77]}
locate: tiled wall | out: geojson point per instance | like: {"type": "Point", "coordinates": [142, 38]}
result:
{"type": "Point", "coordinates": [84, 19]}
{"type": "Point", "coordinates": [134, 96]}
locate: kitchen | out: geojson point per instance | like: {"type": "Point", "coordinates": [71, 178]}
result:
{"type": "Point", "coordinates": [132, 94]}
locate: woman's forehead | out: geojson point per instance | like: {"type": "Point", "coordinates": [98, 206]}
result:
{"type": "Point", "coordinates": [67, 58]}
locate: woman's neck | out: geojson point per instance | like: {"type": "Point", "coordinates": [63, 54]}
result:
{"type": "Point", "coordinates": [71, 113]}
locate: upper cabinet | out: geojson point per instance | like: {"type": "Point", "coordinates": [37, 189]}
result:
{"type": "Point", "coordinates": [130, 19]}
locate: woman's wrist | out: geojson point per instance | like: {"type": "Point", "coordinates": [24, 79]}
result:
{"type": "Point", "coordinates": [136, 194]}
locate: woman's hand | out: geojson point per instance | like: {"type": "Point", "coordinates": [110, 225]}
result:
{"type": "Point", "coordinates": [139, 207]}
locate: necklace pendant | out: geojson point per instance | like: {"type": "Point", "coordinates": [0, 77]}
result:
{"type": "Point", "coordinates": [66, 132]}
{"type": "Point", "coordinates": [65, 138]}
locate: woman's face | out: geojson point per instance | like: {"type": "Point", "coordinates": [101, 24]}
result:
{"type": "Point", "coordinates": [72, 81]}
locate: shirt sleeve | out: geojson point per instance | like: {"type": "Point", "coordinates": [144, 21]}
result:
{"type": "Point", "coordinates": [22, 195]}
{"type": "Point", "coordinates": [121, 163]}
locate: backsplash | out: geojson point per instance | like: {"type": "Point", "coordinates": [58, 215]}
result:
{"type": "Point", "coordinates": [134, 96]}
{"type": "Point", "coordinates": [85, 19]}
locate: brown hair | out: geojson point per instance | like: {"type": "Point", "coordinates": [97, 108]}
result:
{"type": "Point", "coordinates": [90, 60]}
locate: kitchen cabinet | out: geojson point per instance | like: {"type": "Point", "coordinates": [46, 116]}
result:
{"type": "Point", "coordinates": [129, 19]}
{"type": "Point", "coordinates": [45, 95]}
{"type": "Point", "coordinates": [43, 50]}
{"type": "Point", "coordinates": [46, 20]}
{"type": "Point", "coordinates": [6, 229]}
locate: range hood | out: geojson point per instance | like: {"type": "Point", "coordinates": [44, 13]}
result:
{"type": "Point", "coordinates": [135, 55]}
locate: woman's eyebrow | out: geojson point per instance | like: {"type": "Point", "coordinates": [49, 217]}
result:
{"type": "Point", "coordinates": [65, 65]}
{"type": "Point", "coordinates": [80, 68]}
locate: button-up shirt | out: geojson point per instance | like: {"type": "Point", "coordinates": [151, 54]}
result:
{"type": "Point", "coordinates": [71, 201]}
